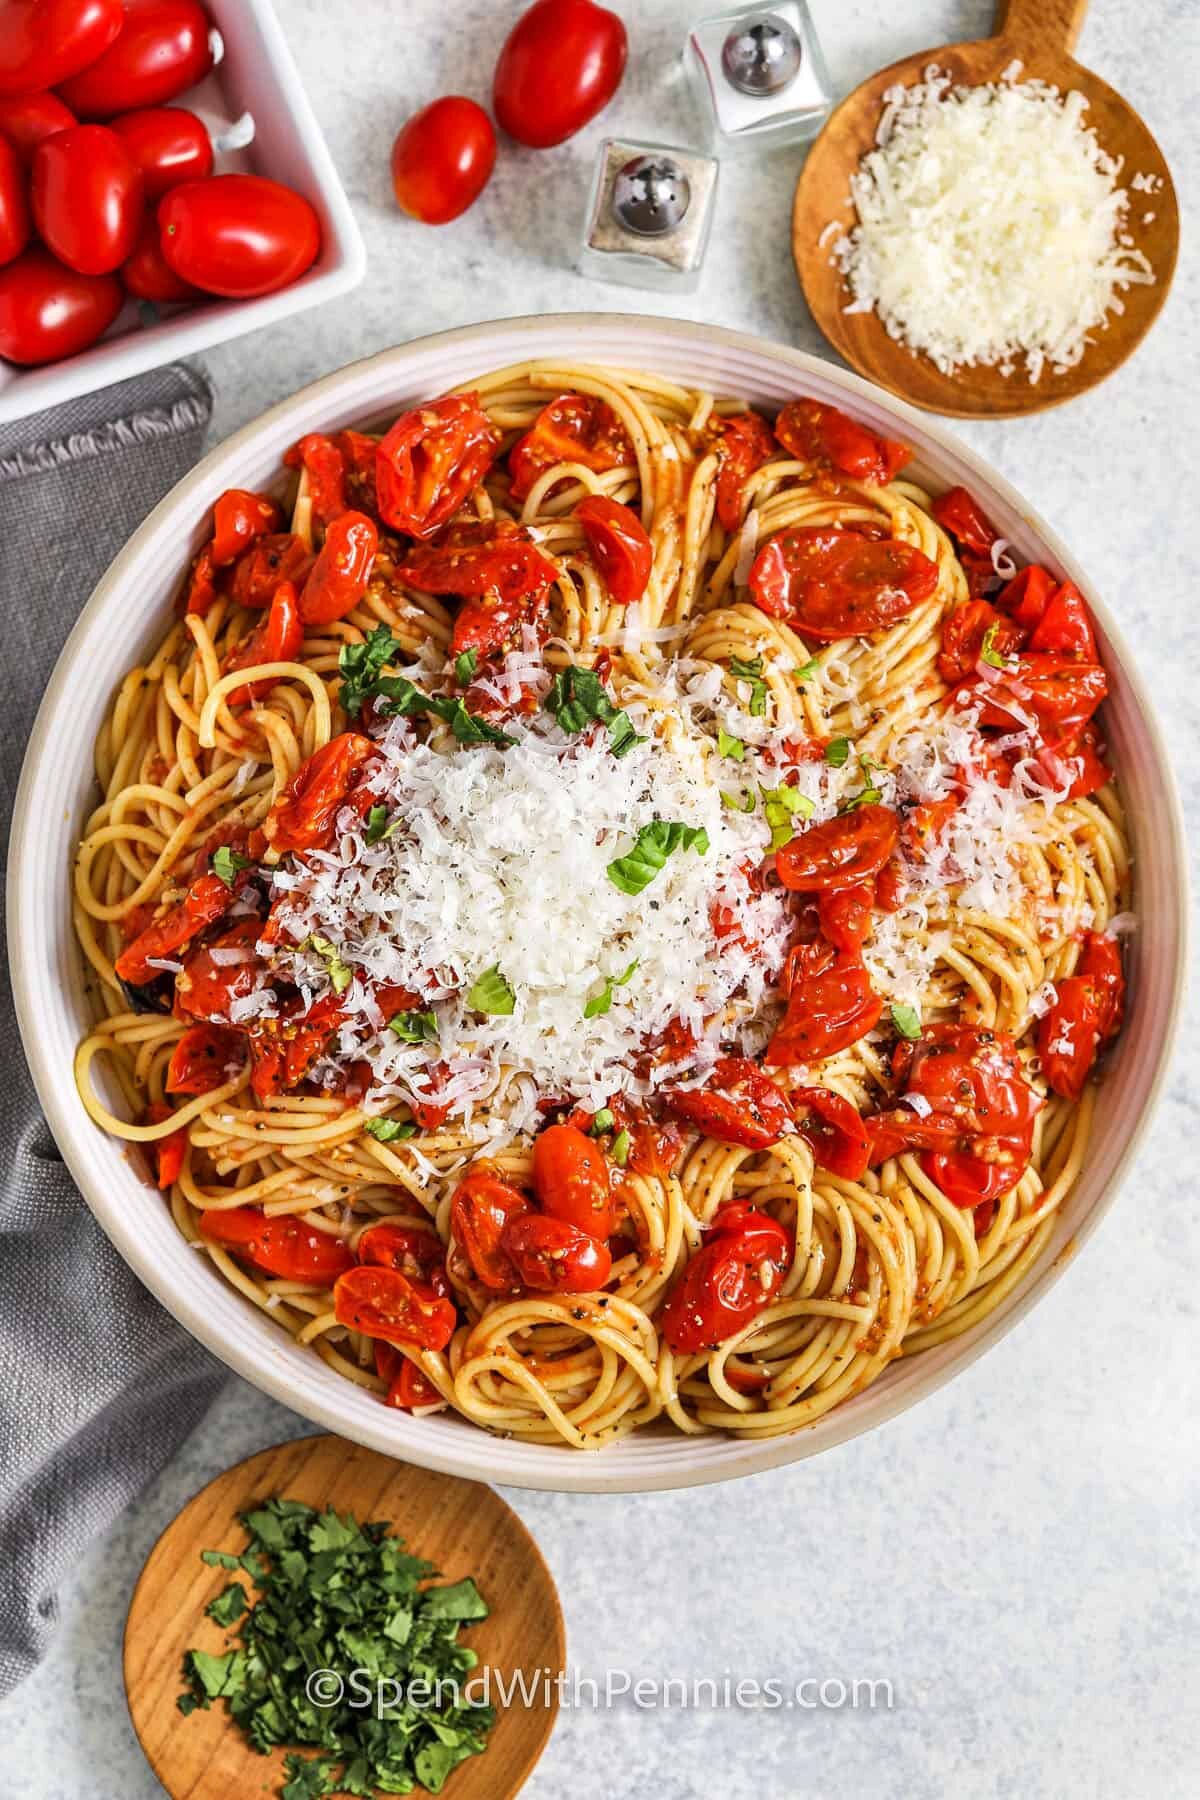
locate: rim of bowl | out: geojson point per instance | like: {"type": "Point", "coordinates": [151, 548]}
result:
{"type": "Point", "coordinates": [485, 1456]}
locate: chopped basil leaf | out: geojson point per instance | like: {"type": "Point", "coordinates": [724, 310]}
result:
{"type": "Point", "coordinates": [782, 805]}
{"type": "Point", "coordinates": [744, 803]}
{"type": "Point", "coordinates": [491, 993]}
{"type": "Point", "coordinates": [732, 747]}
{"type": "Point", "coordinates": [389, 1131]}
{"type": "Point", "coordinates": [578, 698]}
{"type": "Point", "coordinates": [989, 652]}
{"type": "Point", "coordinates": [620, 1148]}
{"type": "Point", "coordinates": [226, 864]}
{"type": "Point", "coordinates": [602, 1122]}
{"type": "Point", "coordinates": [396, 696]}
{"type": "Point", "coordinates": [871, 795]}
{"type": "Point", "coordinates": [907, 1021]}
{"type": "Point", "coordinates": [654, 843]}
{"type": "Point", "coordinates": [602, 1002]}
{"type": "Point", "coordinates": [377, 825]}
{"type": "Point", "coordinates": [467, 727]}
{"type": "Point", "coordinates": [837, 750]}
{"type": "Point", "coordinates": [750, 669]}
{"type": "Point", "coordinates": [340, 974]}
{"type": "Point", "coordinates": [361, 665]}
{"type": "Point", "coordinates": [621, 735]}
{"type": "Point", "coordinates": [806, 672]}
{"type": "Point", "coordinates": [415, 1027]}
{"type": "Point", "coordinates": [464, 666]}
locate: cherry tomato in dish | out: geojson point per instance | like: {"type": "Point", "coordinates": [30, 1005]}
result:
{"type": "Point", "coordinates": [555, 1257]}
{"type": "Point", "coordinates": [478, 559]}
{"type": "Point", "coordinates": [484, 1204]}
{"type": "Point", "coordinates": [168, 1151]}
{"type": "Point", "coordinates": [1025, 597]}
{"type": "Point", "coordinates": [238, 235]}
{"type": "Point", "coordinates": [492, 625]}
{"type": "Point", "coordinates": [832, 440]}
{"type": "Point", "coordinates": [147, 275]}
{"type": "Point", "coordinates": [418, 1254]}
{"type": "Point", "coordinates": [25, 119]}
{"type": "Point", "coordinates": [562, 62]}
{"type": "Point", "coordinates": [891, 886]}
{"type": "Point", "coordinates": [340, 471]}
{"type": "Point", "coordinates": [735, 1274]}
{"type": "Point", "coordinates": [43, 42]}
{"type": "Point", "coordinates": [969, 1179]}
{"type": "Point", "coordinates": [830, 1005]}
{"type": "Point", "coordinates": [338, 579]}
{"type": "Point", "coordinates": [283, 1049]}
{"type": "Point", "coordinates": [205, 1057]}
{"type": "Point", "coordinates": [408, 1386]}
{"type": "Point", "coordinates": [16, 222]}
{"type": "Point", "coordinates": [1087, 1011]}
{"type": "Point", "coordinates": [168, 144]}
{"type": "Point", "coordinates": [833, 1131]}
{"type": "Point", "coordinates": [161, 48]}
{"type": "Point", "coordinates": [1076, 762]}
{"type": "Point", "coordinates": [963, 635]}
{"type": "Point", "coordinates": [570, 1179]}
{"type": "Point", "coordinates": [443, 159]}
{"type": "Point", "coordinates": [200, 589]}
{"type": "Point", "coordinates": [304, 815]}
{"type": "Point", "coordinates": [619, 546]}
{"type": "Point", "coordinates": [575, 428]}
{"type": "Point", "coordinates": [924, 825]}
{"type": "Point", "coordinates": [207, 900]}
{"type": "Point", "coordinates": [844, 914]}
{"type": "Point", "coordinates": [280, 556]}
{"type": "Point", "coordinates": [738, 1104]}
{"type": "Point", "coordinates": [1058, 693]}
{"type": "Point", "coordinates": [88, 198]}
{"type": "Point", "coordinates": [1065, 627]}
{"type": "Point", "coordinates": [284, 1247]}
{"type": "Point", "coordinates": [48, 312]}
{"type": "Point", "coordinates": [279, 638]}
{"type": "Point", "coordinates": [430, 460]}
{"type": "Point", "coordinates": [240, 518]}
{"type": "Point", "coordinates": [744, 443]}
{"type": "Point", "coordinates": [963, 519]}
{"type": "Point", "coordinates": [832, 583]}
{"type": "Point", "coordinates": [845, 849]}
{"type": "Point", "coordinates": [209, 984]}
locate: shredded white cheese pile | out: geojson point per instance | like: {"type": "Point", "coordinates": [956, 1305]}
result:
{"type": "Point", "coordinates": [991, 229]}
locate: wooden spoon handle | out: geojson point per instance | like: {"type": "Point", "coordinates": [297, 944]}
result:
{"type": "Point", "coordinates": [1041, 24]}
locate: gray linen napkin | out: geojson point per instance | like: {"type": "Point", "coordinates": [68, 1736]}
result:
{"type": "Point", "coordinates": [98, 1386]}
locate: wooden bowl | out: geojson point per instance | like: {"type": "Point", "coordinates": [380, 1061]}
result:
{"type": "Point", "coordinates": [1040, 35]}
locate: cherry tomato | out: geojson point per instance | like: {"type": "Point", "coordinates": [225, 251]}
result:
{"type": "Point", "coordinates": [420, 1255]}
{"type": "Point", "coordinates": [744, 443]}
{"type": "Point", "coordinates": [207, 986]}
{"type": "Point", "coordinates": [48, 312]}
{"type": "Point", "coordinates": [845, 849]}
{"type": "Point", "coordinates": [430, 460]}
{"type": "Point", "coordinates": [205, 1057]}
{"type": "Point", "coordinates": [88, 198]}
{"type": "Point", "coordinates": [238, 235]}
{"type": "Point", "coordinates": [280, 556]}
{"type": "Point", "coordinates": [1076, 761]}
{"type": "Point", "coordinates": [340, 470]}
{"type": "Point", "coordinates": [16, 224]}
{"type": "Point", "coordinates": [833, 1131]}
{"type": "Point", "coordinates": [831, 439]}
{"type": "Point", "coordinates": [483, 1205]}
{"type": "Point", "coordinates": [1058, 692]}
{"type": "Point", "coordinates": [962, 639]}
{"type": "Point", "coordinates": [443, 159]}
{"type": "Point", "coordinates": [168, 144]}
{"type": "Point", "coordinates": [303, 816]}
{"type": "Point", "coordinates": [240, 518]}
{"type": "Point", "coordinates": [25, 119]}
{"type": "Point", "coordinates": [1065, 627]}
{"type": "Point", "coordinates": [963, 519]}
{"type": "Point", "coordinates": [161, 48]}
{"type": "Point", "coordinates": [619, 546]}
{"type": "Point", "coordinates": [575, 428]}
{"type": "Point", "coordinates": [207, 900]}
{"type": "Point", "coordinates": [1025, 597]}
{"type": "Point", "coordinates": [200, 589]}
{"type": "Point", "coordinates": [408, 1386]}
{"type": "Point", "coordinates": [284, 1247]}
{"type": "Point", "coordinates": [561, 64]}
{"type": "Point", "coordinates": [384, 1303]}
{"type": "Point", "coordinates": [924, 824]}
{"type": "Point", "coordinates": [283, 1049]}
{"type": "Point", "coordinates": [570, 1179]}
{"type": "Point", "coordinates": [169, 1151]}
{"type": "Point", "coordinates": [42, 42]}
{"type": "Point", "coordinates": [738, 1104]}
{"type": "Point", "coordinates": [279, 638]}
{"type": "Point", "coordinates": [1087, 1011]}
{"type": "Point", "coordinates": [480, 559]}
{"type": "Point", "coordinates": [338, 579]}
{"type": "Point", "coordinates": [832, 583]}
{"type": "Point", "coordinates": [553, 1256]}
{"type": "Point", "coordinates": [147, 275]}
{"type": "Point", "coordinates": [844, 914]}
{"type": "Point", "coordinates": [830, 1005]}
{"type": "Point", "coordinates": [737, 1272]}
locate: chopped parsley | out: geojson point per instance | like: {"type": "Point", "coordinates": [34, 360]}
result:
{"type": "Point", "coordinates": [464, 666]}
{"type": "Point", "coordinates": [361, 667]}
{"type": "Point", "coordinates": [732, 747]}
{"type": "Point", "coordinates": [491, 993]}
{"type": "Point", "coordinates": [907, 1021]}
{"type": "Point", "coordinates": [389, 1131]}
{"type": "Point", "coordinates": [415, 1027]}
{"type": "Point", "coordinates": [343, 1597]}
{"type": "Point", "coordinates": [227, 864]}
{"type": "Point", "coordinates": [751, 670]}
{"type": "Point", "coordinates": [602, 1002]}
{"type": "Point", "coordinates": [837, 752]}
{"type": "Point", "coordinates": [340, 973]}
{"type": "Point", "coordinates": [578, 698]}
{"type": "Point", "coordinates": [782, 805]}
{"type": "Point", "coordinates": [653, 845]}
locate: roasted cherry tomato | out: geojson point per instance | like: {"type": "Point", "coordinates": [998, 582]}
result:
{"type": "Point", "coordinates": [443, 159]}
{"type": "Point", "coordinates": [575, 428]}
{"type": "Point", "coordinates": [205, 1057]}
{"type": "Point", "coordinates": [338, 579]}
{"type": "Point", "coordinates": [209, 984]}
{"type": "Point", "coordinates": [478, 559]}
{"type": "Point", "coordinates": [1087, 1011]}
{"type": "Point", "coordinates": [147, 274]}
{"type": "Point", "coordinates": [738, 1104]}
{"type": "Point", "coordinates": [280, 638]}
{"type": "Point", "coordinates": [161, 48]}
{"type": "Point", "coordinates": [43, 42]}
{"type": "Point", "coordinates": [383, 1303]}
{"type": "Point", "coordinates": [303, 816]}
{"type": "Point", "coordinates": [1076, 762]}
{"type": "Point", "coordinates": [833, 1131]}
{"type": "Point", "coordinates": [169, 1151]}
{"type": "Point", "coordinates": [963, 634]}
{"type": "Point", "coordinates": [430, 461]}
{"type": "Point", "coordinates": [619, 546]}
{"type": "Point", "coordinates": [484, 1203]}
{"type": "Point", "coordinates": [168, 144]}
{"type": "Point", "coordinates": [963, 519]}
{"type": "Point", "coordinates": [88, 198]}
{"type": "Point", "coordinates": [25, 119]}
{"type": "Point", "coordinates": [925, 823]}
{"type": "Point", "coordinates": [284, 1247]}
{"type": "Point", "coordinates": [830, 1005]}
{"type": "Point", "coordinates": [562, 62]}
{"type": "Point", "coordinates": [553, 1256]}
{"type": "Point", "coordinates": [1025, 597]}
{"type": "Point", "coordinates": [849, 848]}
{"type": "Point", "coordinates": [1065, 627]}
{"type": "Point", "coordinates": [283, 1049]}
{"type": "Point", "coordinates": [830, 583]}
{"type": "Point", "coordinates": [570, 1179]}
{"type": "Point", "coordinates": [340, 470]}
{"type": "Point", "coordinates": [744, 443]}
{"type": "Point", "coordinates": [831, 439]}
{"type": "Point", "coordinates": [238, 235]}
{"type": "Point", "coordinates": [16, 224]}
{"type": "Point", "coordinates": [408, 1386]}
{"type": "Point", "coordinates": [420, 1255]}
{"type": "Point", "coordinates": [844, 914]}
{"type": "Point", "coordinates": [280, 556]}
{"type": "Point", "coordinates": [1057, 693]}
{"type": "Point", "coordinates": [240, 518]}
{"type": "Point", "coordinates": [207, 900]}
{"type": "Point", "coordinates": [737, 1271]}
{"type": "Point", "coordinates": [970, 1180]}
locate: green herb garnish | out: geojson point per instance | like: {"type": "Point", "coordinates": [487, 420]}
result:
{"type": "Point", "coordinates": [464, 666]}
{"type": "Point", "coordinates": [490, 993]}
{"type": "Point", "coordinates": [751, 670]}
{"type": "Point", "coordinates": [782, 805]}
{"type": "Point", "coordinates": [361, 667]}
{"type": "Point", "coordinates": [837, 750]}
{"type": "Point", "coordinates": [602, 1122]}
{"type": "Point", "coordinates": [578, 698]}
{"type": "Point", "coordinates": [988, 651]}
{"type": "Point", "coordinates": [415, 1027]}
{"type": "Point", "coordinates": [732, 747]}
{"type": "Point", "coordinates": [907, 1021]}
{"type": "Point", "coordinates": [652, 846]}
{"type": "Point", "coordinates": [340, 973]}
{"type": "Point", "coordinates": [227, 864]}
{"type": "Point", "coordinates": [870, 795]}
{"type": "Point", "coordinates": [602, 1002]}
{"type": "Point", "coordinates": [806, 671]}
{"type": "Point", "coordinates": [390, 1131]}
{"type": "Point", "coordinates": [620, 1149]}
{"type": "Point", "coordinates": [744, 803]}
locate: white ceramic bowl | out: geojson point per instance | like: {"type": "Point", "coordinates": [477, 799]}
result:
{"type": "Point", "coordinates": [127, 614]}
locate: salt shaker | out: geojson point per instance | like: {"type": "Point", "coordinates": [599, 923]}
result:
{"type": "Point", "coordinates": [650, 215]}
{"type": "Point", "coordinates": [759, 76]}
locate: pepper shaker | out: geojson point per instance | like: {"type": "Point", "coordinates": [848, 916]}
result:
{"type": "Point", "coordinates": [650, 215]}
{"type": "Point", "coordinates": [759, 76]}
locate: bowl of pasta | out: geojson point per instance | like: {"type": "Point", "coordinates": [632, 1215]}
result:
{"type": "Point", "coordinates": [587, 870]}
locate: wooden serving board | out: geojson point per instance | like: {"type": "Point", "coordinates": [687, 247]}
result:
{"type": "Point", "coordinates": [462, 1528]}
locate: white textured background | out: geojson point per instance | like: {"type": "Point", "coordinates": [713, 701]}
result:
{"type": "Point", "coordinates": [1019, 1555]}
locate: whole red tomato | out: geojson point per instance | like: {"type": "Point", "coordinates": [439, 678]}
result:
{"type": "Point", "coordinates": [561, 63]}
{"type": "Point", "coordinates": [88, 198]}
{"type": "Point", "coordinates": [148, 276]}
{"type": "Point", "coordinates": [48, 311]}
{"type": "Point", "coordinates": [238, 235]}
{"type": "Point", "coordinates": [28, 118]}
{"type": "Point", "coordinates": [15, 222]}
{"type": "Point", "coordinates": [443, 159]}
{"type": "Point", "coordinates": [161, 49]}
{"type": "Point", "coordinates": [42, 42]}
{"type": "Point", "coordinates": [168, 144]}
